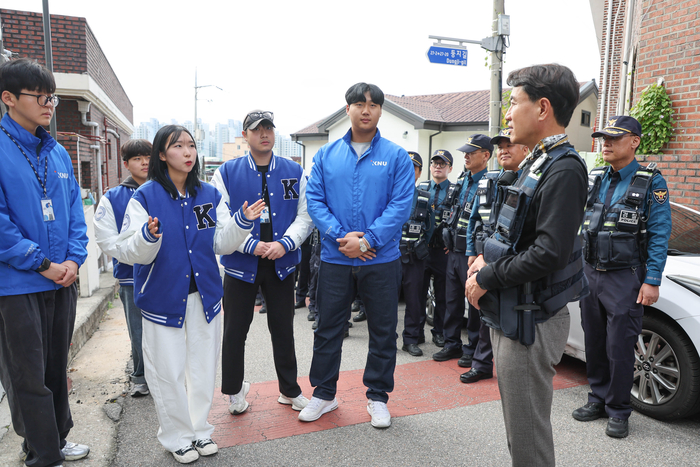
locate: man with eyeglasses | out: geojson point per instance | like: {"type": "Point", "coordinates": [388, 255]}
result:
{"type": "Point", "coordinates": [626, 230]}
{"type": "Point", "coordinates": [267, 259]}
{"type": "Point", "coordinates": [435, 264]}
{"type": "Point", "coordinates": [477, 152]}
{"type": "Point", "coordinates": [42, 245]}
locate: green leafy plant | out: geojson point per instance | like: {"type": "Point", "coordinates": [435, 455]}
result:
{"type": "Point", "coordinates": [654, 112]}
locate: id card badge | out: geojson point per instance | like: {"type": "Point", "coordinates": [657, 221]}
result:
{"type": "Point", "coordinates": [265, 216]}
{"type": "Point", "coordinates": [47, 210]}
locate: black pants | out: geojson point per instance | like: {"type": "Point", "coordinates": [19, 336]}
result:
{"type": "Point", "coordinates": [412, 273]}
{"type": "Point", "coordinates": [239, 303]}
{"type": "Point", "coordinates": [612, 320]}
{"type": "Point", "coordinates": [304, 270]}
{"type": "Point", "coordinates": [436, 266]}
{"type": "Point", "coordinates": [35, 334]}
{"type": "Point", "coordinates": [457, 268]}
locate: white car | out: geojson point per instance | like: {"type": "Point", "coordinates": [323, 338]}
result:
{"type": "Point", "coordinates": [667, 369]}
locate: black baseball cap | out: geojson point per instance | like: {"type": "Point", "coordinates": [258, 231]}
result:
{"type": "Point", "coordinates": [620, 125]}
{"type": "Point", "coordinates": [503, 134]}
{"type": "Point", "coordinates": [476, 142]}
{"type": "Point", "coordinates": [255, 117]}
{"type": "Point", "coordinates": [416, 159]}
{"type": "Point", "coordinates": [444, 155]}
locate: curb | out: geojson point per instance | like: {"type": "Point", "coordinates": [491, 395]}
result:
{"type": "Point", "coordinates": [89, 313]}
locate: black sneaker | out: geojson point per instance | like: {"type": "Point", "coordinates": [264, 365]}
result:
{"type": "Point", "coordinates": [439, 340]}
{"type": "Point", "coordinates": [447, 354]}
{"type": "Point", "coordinates": [589, 412]}
{"type": "Point", "coordinates": [617, 428]}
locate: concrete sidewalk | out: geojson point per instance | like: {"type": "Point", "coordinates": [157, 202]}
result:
{"type": "Point", "coordinates": [89, 313]}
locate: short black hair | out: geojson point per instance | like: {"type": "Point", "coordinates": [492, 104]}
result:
{"type": "Point", "coordinates": [24, 73]}
{"type": "Point", "coordinates": [555, 82]}
{"type": "Point", "coordinates": [158, 169]}
{"type": "Point", "coordinates": [356, 93]}
{"type": "Point", "coordinates": [136, 147]}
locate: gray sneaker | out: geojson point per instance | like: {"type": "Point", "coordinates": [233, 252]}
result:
{"type": "Point", "coordinates": [71, 451]}
{"type": "Point", "coordinates": [140, 390]}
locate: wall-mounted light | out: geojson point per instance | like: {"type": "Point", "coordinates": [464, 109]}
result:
{"type": "Point", "coordinates": [405, 135]}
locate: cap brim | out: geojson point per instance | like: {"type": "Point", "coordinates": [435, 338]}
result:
{"type": "Point", "coordinates": [255, 124]}
{"type": "Point", "coordinates": [611, 132]}
{"type": "Point", "coordinates": [497, 139]}
{"type": "Point", "coordinates": [469, 148]}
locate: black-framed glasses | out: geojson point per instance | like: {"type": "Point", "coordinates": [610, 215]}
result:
{"type": "Point", "coordinates": [43, 98]}
{"type": "Point", "coordinates": [439, 164]}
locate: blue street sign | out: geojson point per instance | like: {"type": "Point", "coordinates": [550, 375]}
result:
{"type": "Point", "coordinates": [447, 56]}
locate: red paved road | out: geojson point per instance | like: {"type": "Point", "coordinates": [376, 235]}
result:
{"type": "Point", "coordinates": [420, 387]}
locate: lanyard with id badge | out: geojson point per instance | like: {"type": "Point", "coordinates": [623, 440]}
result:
{"type": "Point", "coordinates": [46, 204]}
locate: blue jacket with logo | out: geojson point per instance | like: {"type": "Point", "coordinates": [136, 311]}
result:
{"type": "Point", "coordinates": [108, 222]}
{"type": "Point", "coordinates": [372, 194]}
{"type": "Point", "coordinates": [195, 229]}
{"type": "Point", "coordinates": [25, 238]}
{"type": "Point", "coordinates": [238, 180]}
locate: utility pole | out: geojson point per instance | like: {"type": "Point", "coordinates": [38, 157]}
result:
{"type": "Point", "coordinates": [196, 130]}
{"type": "Point", "coordinates": [496, 73]}
{"type": "Point", "coordinates": [49, 55]}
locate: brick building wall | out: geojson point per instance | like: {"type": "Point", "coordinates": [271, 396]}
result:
{"type": "Point", "coordinates": [75, 50]}
{"type": "Point", "coordinates": [666, 37]}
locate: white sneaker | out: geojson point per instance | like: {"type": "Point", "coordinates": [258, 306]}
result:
{"type": "Point", "coordinates": [205, 446]}
{"type": "Point", "coordinates": [317, 407]}
{"type": "Point", "coordinates": [238, 402]}
{"type": "Point", "coordinates": [380, 414]}
{"type": "Point", "coordinates": [297, 403]}
{"type": "Point", "coordinates": [186, 455]}
{"type": "Point", "coordinates": [71, 451]}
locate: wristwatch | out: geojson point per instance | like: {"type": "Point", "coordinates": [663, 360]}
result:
{"type": "Point", "coordinates": [363, 245]}
{"type": "Point", "coordinates": [46, 264]}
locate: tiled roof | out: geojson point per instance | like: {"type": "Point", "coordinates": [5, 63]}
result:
{"type": "Point", "coordinates": [454, 107]}
{"type": "Point", "coordinates": [311, 129]}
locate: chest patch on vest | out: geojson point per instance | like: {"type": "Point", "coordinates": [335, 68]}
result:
{"type": "Point", "coordinates": [204, 220]}
{"type": "Point", "coordinates": [660, 196]}
{"type": "Point", "coordinates": [289, 191]}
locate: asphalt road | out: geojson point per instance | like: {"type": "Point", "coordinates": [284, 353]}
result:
{"type": "Point", "coordinates": [468, 435]}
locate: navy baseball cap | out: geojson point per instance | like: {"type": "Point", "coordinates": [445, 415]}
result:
{"type": "Point", "coordinates": [255, 117]}
{"type": "Point", "coordinates": [620, 125]}
{"type": "Point", "coordinates": [416, 159]}
{"type": "Point", "coordinates": [503, 134]}
{"type": "Point", "coordinates": [444, 155]}
{"type": "Point", "coordinates": [476, 142]}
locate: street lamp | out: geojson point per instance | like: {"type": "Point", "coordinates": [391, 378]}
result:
{"type": "Point", "coordinates": [196, 130]}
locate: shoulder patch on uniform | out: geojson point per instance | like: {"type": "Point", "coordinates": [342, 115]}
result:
{"type": "Point", "coordinates": [101, 211]}
{"type": "Point", "coordinates": [660, 196]}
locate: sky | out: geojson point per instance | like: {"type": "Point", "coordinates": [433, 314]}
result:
{"type": "Point", "coordinates": [298, 57]}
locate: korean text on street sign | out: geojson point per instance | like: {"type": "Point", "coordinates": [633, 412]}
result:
{"type": "Point", "coordinates": [447, 56]}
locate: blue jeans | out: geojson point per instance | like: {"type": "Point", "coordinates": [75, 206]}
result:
{"type": "Point", "coordinates": [378, 287]}
{"type": "Point", "coordinates": [133, 324]}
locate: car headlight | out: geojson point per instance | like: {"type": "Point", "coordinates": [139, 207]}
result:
{"type": "Point", "coordinates": [689, 282]}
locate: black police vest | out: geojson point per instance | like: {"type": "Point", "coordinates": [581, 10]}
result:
{"type": "Point", "coordinates": [455, 218]}
{"type": "Point", "coordinates": [616, 237]}
{"type": "Point", "coordinates": [515, 310]}
{"type": "Point", "coordinates": [486, 195]}
{"type": "Point", "coordinates": [413, 231]}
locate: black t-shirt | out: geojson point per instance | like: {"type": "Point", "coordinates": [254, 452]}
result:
{"type": "Point", "coordinates": [266, 218]}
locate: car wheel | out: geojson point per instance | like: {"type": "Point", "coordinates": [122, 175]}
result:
{"type": "Point", "coordinates": [667, 371]}
{"type": "Point", "coordinates": [430, 304]}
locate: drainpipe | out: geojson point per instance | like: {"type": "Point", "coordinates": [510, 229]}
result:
{"type": "Point", "coordinates": [119, 144]}
{"type": "Point", "coordinates": [84, 108]}
{"type": "Point", "coordinates": [303, 154]}
{"type": "Point", "coordinates": [430, 148]}
{"type": "Point", "coordinates": [602, 98]}
{"type": "Point", "coordinates": [80, 171]}
{"type": "Point", "coordinates": [622, 104]}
